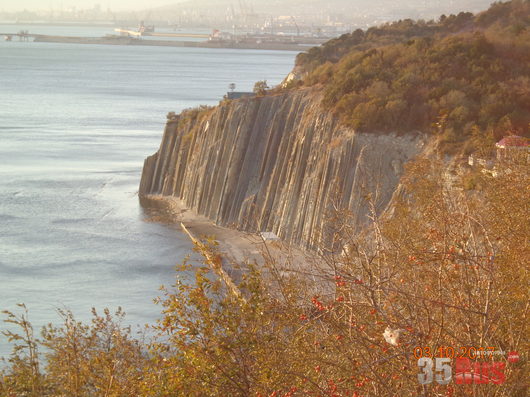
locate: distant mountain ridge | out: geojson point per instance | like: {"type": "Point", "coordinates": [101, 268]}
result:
{"type": "Point", "coordinates": [345, 8]}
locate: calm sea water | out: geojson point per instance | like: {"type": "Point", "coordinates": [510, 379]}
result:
{"type": "Point", "coordinates": [76, 122]}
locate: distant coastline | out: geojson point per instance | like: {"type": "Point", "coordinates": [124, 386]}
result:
{"type": "Point", "coordinates": [64, 23]}
{"type": "Point", "coordinates": [118, 40]}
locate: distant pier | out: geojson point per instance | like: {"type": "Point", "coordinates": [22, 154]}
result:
{"type": "Point", "coordinates": [23, 35]}
{"type": "Point", "coordinates": [136, 33]}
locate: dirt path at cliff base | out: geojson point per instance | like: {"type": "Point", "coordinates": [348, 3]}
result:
{"type": "Point", "coordinates": [235, 247]}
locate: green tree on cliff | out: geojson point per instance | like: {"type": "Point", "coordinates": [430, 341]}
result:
{"type": "Point", "coordinates": [260, 87]}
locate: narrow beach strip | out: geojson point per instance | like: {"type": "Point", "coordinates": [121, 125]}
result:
{"type": "Point", "coordinates": [215, 263]}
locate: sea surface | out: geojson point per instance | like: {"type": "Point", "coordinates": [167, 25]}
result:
{"type": "Point", "coordinates": [76, 122]}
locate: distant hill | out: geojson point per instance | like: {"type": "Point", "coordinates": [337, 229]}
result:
{"type": "Point", "coordinates": [463, 77]}
{"type": "Point", "coordinates": [346, 9]}
{"type": "Point", "coordinates": [298, 6]}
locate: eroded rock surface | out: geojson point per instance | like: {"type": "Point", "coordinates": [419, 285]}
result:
{"type": "Point", "coordinates": [277, 163]}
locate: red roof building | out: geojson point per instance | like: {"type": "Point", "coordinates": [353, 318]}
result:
{"type": "Point", "coordinates": [512, 141]}
{"type": "Point", "coordinates": [513, 147]}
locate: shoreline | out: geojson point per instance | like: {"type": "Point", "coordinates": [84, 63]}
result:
{"type": "Point", "coordinates": [235, 247]}
{"type": "Point", "coordinates": [233, 244]}
{"type": "Point", "coordinates": [117, 40]}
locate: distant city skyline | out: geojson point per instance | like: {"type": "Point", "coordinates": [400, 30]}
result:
{"type": "Point", "coordinates": [263, 5]}
{"type": "Point", "coordinates": [310, 16]}
{"type": "Point", "coordinates": [35, 5]}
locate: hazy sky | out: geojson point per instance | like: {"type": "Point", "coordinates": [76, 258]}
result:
{"type": "Point", "coordinates": [17, 5]}
{"type": "Point", "coordinates": [118, 5]}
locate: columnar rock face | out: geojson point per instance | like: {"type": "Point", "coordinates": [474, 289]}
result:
{"type": "Point", "coordinates": [277, 163]}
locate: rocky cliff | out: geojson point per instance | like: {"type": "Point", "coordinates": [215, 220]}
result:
{"type": "Point", "coordinates": [275, 163]}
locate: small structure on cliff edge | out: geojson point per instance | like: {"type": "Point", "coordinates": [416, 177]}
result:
{"type": "Point", "coordinates": [232, 94]}
{"type": "Point", "coordinates": [239, 94]}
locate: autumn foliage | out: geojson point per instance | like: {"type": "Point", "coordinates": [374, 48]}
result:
{"type": "Point", "coordinates": [449, 268]}
{"type": "Point", "coordinates": [463, 77]}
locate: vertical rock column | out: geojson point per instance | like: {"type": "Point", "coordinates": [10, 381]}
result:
{"type": "Point", "coordinates": [275, 163]}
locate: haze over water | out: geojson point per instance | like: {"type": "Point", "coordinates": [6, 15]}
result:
{"type": "Point", "coordinates": [76, 122]}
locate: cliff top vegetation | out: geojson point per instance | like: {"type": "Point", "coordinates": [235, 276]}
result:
{"type": "Point", "coordinates": [464, 77]}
